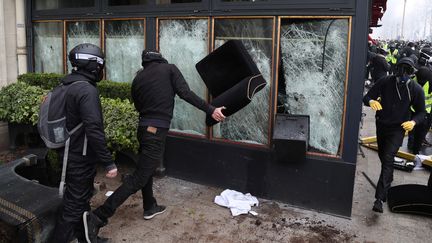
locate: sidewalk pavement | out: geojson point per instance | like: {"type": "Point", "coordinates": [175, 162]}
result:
{"type": "Point", "coordinates": [192, 216]}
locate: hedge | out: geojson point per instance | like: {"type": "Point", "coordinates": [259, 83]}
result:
{"type": "Point", "coordinates": [19, 103]}
{"type": "Point", "coordinates": [107, 88]}
{"type": "Point", "coordinates": [43, 80]}
{"type": "Point", "coordinates": [120, 122]}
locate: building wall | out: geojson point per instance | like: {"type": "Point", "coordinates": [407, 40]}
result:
{"type": "Point", "coordinates": [8, 50]}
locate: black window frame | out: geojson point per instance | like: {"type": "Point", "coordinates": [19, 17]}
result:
{"type": "Point", "coordinates": [86, 11]}
{"type": "Point", "coordinates": [152, 7]}
{"type": "Point", "coordinates": [343, 6]}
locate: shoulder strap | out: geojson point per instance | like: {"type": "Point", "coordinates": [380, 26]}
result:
{"type": "Point", "coordinates": [63, 175]}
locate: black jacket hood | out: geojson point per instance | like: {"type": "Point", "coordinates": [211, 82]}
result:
{"type": "Point", "coordinates": [78, 76]}
{"type": "Point", "coordinates": [151, 56]}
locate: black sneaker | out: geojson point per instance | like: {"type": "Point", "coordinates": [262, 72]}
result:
{"type": "Point", "coordinates": [92, 223]}
{"type": "Point", "coordinates": [155, 210]}
{"type": "Point", "coordinates": [378, 206]}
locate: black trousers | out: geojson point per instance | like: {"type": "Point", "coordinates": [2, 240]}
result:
{"type": "Point", "coordinates": [80, 175]}
{"type": "Point", "coordinates": [389, 139]}
{"type": "Point", "coordinates": [418, 134]}
{"type": "Point", "coordinates": [151, 152]}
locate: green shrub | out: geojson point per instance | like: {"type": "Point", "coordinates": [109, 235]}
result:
{"type": "Point", "coordinates": [113, 90]}
{"type": "Point", "coordinates": [19, 103]}
{"type": "Point", "coordinates": [44, 80]}
{"type": "Point", "coordinates": [120, 122]}
{"type": "Point", "coordinates": [107, 89]}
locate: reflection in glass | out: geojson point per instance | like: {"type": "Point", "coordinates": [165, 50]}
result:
{"type": "Point", "coordinates": [126, 2]}
{"type": "Point", "coordinates": [124, 42]}
{"type": "Point", "coordinates": [251, 123]}
{"type": "Point", "coordinates": [56, 4]}
{"type": "Point", "coordinates": [48, 47]}
{"type": "Point", "coordinates": [176, 1]}
{"type": "Point", "coordinates": [79, 32]}
{"type": "Point", "coordinates": [184, 43]}
{"type": "Point", "coordinates": [313, 62]}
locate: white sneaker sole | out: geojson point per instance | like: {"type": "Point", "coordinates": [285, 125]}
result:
{"type": "Point", "coordinates": [153, 215]}
{"type": "Point", "coordinates": [86, 226]}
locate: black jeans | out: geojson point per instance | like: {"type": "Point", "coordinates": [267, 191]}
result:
{"type": "Point", "coordinates": [152, 146]}
{"type": "Point", "coordinates": [389, 139]}
{"type": "Point", "coordinates": [80, 175]}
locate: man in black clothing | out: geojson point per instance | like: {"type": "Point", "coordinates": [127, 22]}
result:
{"type": "Point", "coordinates": [408, 50]}
{"type": "Point", "coordinates": [153, 92]}
{"type": "Point", "coordinates": [379, 65]}
{"type": "Point", "coordinates": [82, 105]}
{"type": "Point", "coordinates": [393, 117]}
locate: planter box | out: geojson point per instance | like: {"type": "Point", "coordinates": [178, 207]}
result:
{"type": "Point", "coordinates": [24, 135]}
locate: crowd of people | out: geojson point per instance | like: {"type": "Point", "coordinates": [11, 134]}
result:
{"type": "Point", "coordinates": [399, 75]}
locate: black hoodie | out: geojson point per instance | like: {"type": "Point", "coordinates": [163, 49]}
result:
{"type": "Point", "coordinates": [396, 100]}
{"type": "Point", "coordinates": [83, 105]}
{"type": "Point", "coordinates": [154, 89]}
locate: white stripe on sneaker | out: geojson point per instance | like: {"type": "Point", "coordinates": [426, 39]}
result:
{"type": "Point", "coordinates": [153, 215]}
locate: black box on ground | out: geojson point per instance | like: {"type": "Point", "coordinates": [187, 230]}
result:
{"type": "Point", "coordinates": [291, 137]}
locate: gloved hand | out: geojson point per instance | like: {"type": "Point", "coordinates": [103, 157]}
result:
{"type": "Point", "coordinates": [375, 105]}
{"type": "Point", "coordinates": [408, 125]}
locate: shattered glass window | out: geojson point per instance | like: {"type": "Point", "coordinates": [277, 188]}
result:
{"type": "Point", "coordinates": [79, 32]}
{"type": "Point", "coordinates": [312, 77]}
{"type": "Point", "coordinates": [250, 124]}
{"type": "Point", "coordinates": [48, 47]}
{"type": "Point", "coordinates": [124, 42]}
{"type": "Point", "coordinates": [184, 43]}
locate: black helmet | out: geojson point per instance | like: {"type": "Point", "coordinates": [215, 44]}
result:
{"type": "Point", "coordinates": [88, 58]}
{"type": "Point", "coordinates": [405, 65]}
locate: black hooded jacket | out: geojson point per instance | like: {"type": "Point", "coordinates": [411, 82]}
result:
{"type": "Point", "coordinates": [154, 89]}
{"type": "Point", "coordinates": [396, 100]}
{"type": "Point", "coordinates": [83, 105]}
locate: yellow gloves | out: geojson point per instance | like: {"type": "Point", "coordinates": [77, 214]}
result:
{"type": "Point", "coordinates": [408, 125]}
{"type": "Point", "coordinates": [375, 105]}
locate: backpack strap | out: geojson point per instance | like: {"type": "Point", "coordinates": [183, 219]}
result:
{"type": "Point", "coordinates": [65, 160]}
{"type": "Point", "coordinates": [66, 153]}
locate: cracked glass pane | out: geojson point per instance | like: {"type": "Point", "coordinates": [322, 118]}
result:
{"type": "Point", "coordinates": [124, 42]}
{"type": "Point", "coordinates": [312, 77]}
{"type": "Point", "coordinates": [48, 47]}
{"type": "Point", "coordinates": [79, 32]}
{"type": "Point", "coordinates": [184, 43]}
{"type": "Point", "coordinates": [251, 123]}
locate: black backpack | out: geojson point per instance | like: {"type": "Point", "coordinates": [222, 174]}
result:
{"type": "Point", "coordinates": [52, 125]}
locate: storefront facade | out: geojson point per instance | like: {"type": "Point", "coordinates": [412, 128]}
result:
{"type": "Point", "coordinates": [311, 53]}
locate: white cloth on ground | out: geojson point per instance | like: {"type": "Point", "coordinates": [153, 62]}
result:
{"type": "Point", "coordinates": [419, 158]}
{"type": "Point", "coordinates": [237, 202]}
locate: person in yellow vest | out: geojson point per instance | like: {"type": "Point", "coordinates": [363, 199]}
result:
{"type": "Point", "coordinates": [417, 136]}
{"type": "Point", "coordinates": [392, 57]}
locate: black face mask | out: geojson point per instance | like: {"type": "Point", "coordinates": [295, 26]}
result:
{"type": "Point", "coordinates": [95, 69]}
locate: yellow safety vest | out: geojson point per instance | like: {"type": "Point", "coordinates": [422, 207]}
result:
{"type": "Point", "coordinates": [428, 97]}
{"type": "Point", "coordinates": [391, 57]}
